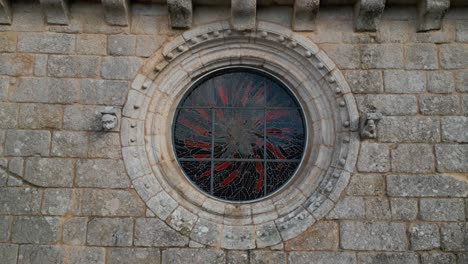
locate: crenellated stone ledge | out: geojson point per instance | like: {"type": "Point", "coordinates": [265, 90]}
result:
{"type": "Point", "coordinates": [243, 15]}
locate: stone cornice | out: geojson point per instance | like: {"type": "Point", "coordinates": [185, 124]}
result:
{"type": "Point", "coordinates": [243, 12]}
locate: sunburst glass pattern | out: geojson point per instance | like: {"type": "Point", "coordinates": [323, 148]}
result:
{"type": "Point", "coordinates": [239, 135]}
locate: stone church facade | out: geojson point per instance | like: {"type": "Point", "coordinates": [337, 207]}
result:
{"type": "Point", "coordinates": [90, 164]}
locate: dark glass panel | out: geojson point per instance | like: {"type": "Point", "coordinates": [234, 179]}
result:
{"type": "Point", "coordinates": [278, 174]}
{"type": "Point", "coordinates": [192, 133]}
{"type": "Point", "coordinates": [285, 134]}
{"type": "Point", "coordinates": [199, 173]}
{"type": "Point", "coordinates": [202, 95]}
{"type": "Point", "coordinates": [239, 133]}
{"type": "Point", "coordinates": [240, 89]}
{"type": "Point", "coordinates": [277, 96]}
{"type": "Point", "coordinates": [238, 181]}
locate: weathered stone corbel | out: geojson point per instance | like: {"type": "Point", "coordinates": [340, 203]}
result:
{"type": "Point", "coordinates": [109, 118]}
{"type": "Point", "coordinates": [5, 12]}
{"type": "Point", "coordinates": [116, 12]}
{"type": "Point", "coordinates": [304, 14]}
{"type": "Point", "coordinates": [367, 14]}
{"type": "Point", "coordinates": [368, 124]}
{"type": "Point", "coordinates": [180, 12]}
{"type": "Point", "coordinates": [243, 14]}
{"type": "Point", "coordinates": [56, 11]}
{"type": "Point", "coordinates": [431, 13]}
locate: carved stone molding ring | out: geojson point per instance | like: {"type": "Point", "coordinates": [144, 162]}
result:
{"type": "Point", "coordinates": [331, 117]}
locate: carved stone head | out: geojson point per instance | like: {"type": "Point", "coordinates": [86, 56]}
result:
{"type": "Point", "coordinates": [109, 121]}
{"type": "Point", "coordinates": [109, 118]}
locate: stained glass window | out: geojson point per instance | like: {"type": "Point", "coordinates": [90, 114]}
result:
{"type": "Point", "coordinates": [239, 134]}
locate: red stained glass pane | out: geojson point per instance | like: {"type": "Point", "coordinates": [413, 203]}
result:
{"type": "Point", "coordinates": [239, 134]}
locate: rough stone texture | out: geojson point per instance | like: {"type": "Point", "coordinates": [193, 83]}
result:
{"type": "Point", "coordinates": [56, 201]}
{"type": "Point", "coordinates": [8, 41]}
{"type": "Point", "coordinates": [91, 44]}
{"type": "Point", "coordinates": [20, 201]}
{"type": "Point", "coordinates": [101, 173]}
{"type": "Point", "coordinates": [8, 114]}
{"type": "Point", "coordinates": [74, 231]}
{"type": "Point", "coordinates": [120, 68]}
{"type": "Point", "coordinates": [426, 186]}
{"type": "Point", "coordinates": [146, 45]}
{"type": "Point", "coordinates": [101, 92]}
{"type": "Point", "coordinates": [322, 257]}
{"type": "Point", "coordinates": [373, 236]}
{"type": "Point", "coordinates": [8, 253]}
{"type": "Point", "coordinates": [46, 43]}
{"type": "Point", "coordinates": [35, 230]}
{"type": "Point", "coordinates": [180, 12]}
{"type": "Point", "coordinates": [424, 236]}
{"type": "Point", "coordinates": [377, 209]}
{"type": "Point", "coordinates": [438, 258]}
{"type": "Point", "coordinates": [115, 232]}
{"type": "Point", "coordinates": [48, 172]}
{"type": "Point", "coordinates": [438, 105]}
{"type": "Point", "coordinates": [105, 145]}
{"type": "Point", "coordinates": [404, 209]}
{"type": "Point", "coordinates": [5, 226]}
{"type": "Point", "coordinates": [388, 258]}
{"type": "Point", "coordinates": [91, 255]}
{"type": "Point", "coordinates": [366, 184]}
{"type": "Point", "coordinates": [321, 236]}
{"type": "Point", "coordinates": [454, 129]}
{"type": "Point", "coordinates": [46, 90]}
{"type": "Point", "coordinates": [38, 254]}
{"type": "Point", "coordinates": [440, 82]}
{"type": "Point", "coordinates": [388, 104]}
{"type": "Point", "coordinates": [117, 12]}
{"type": "Point", "coordinates": [421, 56]}
{"type": "Point", "coordinates": [384, 56]}
{"type": "Point", "coordinates": [442, 209]}
{"type": "Point", "coordinates": [409, 129]}
{"type": "Point", "coordinates": [304, 14]}
{"type": "Point", "coordinates": [243, 14]}
{"type": "Point", "coordinates": [82, 117]}
{"type": "Point", "coordinates": [365, 81]}
{"type": "Point", "coordinates": [27, 142]}
{"type": "Point", "coordinates": [181, 256]}
{"type": "Point", "coordinates": [40, 116]}
{"type": "Point", "coordinates": [461, 81]}
{"type": "Point", "coordinates": [452, 158]}
{"type": "Point", "coordinates": [152, 232]}
{"type": "Point", "coordinates": [73, 66]}
{"type": "Point", "coordinates": [413, 158]}
{"type": "Point", "coordinates": [465, 104]}
{"type": "Point", "coordinates": [134, 255]}
{"type": "Point", "coordinates": [121, 45]}
{"type": "Point", "coordinates": [235, 257]}
{"type": "Point", "coordinates": [259, 257]}
{"type": "Point", "coordinates": [373, 158]}
{"type": "Point", "coordinates": [398, 81]}
{"type": "Point", "coordinates": [69, 144]}
{"type": "Point", "coordinates": [4, 84]}
{"type": "Point", "coordinates": [453, 236]}
{"type": "Point", "coordinates": [348, 208]}
{"type": "Point", "coordinates": [108, 203]}
{"type": "Point", "coordinates": [16, 64]}
{"type": "Point", "coordinates": [344, 55]}
{"type": "Point", "coordinates": [452, 56]}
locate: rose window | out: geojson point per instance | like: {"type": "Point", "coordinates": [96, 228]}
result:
{"type": "Point", "coordinates": [239, 134]}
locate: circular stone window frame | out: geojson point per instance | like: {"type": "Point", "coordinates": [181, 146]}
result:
{"type": "Point", "coordinates": [328, 106]}
{"type": "Point", "coordinates": [264, 74]}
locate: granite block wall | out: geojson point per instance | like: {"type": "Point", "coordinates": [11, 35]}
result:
{"type": "Point", "coordinates": [65, 196]}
